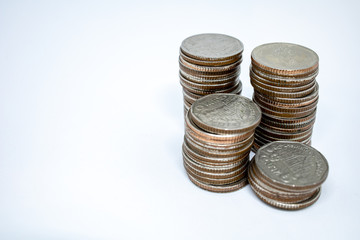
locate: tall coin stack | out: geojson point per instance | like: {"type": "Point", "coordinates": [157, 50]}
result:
{"type": "Point", "coordinates": [283, 76]}
{"type": "Point", "coordinates": [219, 131]}
{"type": "Point", "coordinates": [209, 63]}
{"type": "Point", "coordinates": [288, 174]}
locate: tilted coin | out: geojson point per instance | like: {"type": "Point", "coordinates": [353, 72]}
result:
{"type": "Point", "coordinates": [198, 133]}
{"type": "Point", "coordinates": [292, 165]}
{"type": "Point", "coordinates": [287, 175]}
{"type": "Point", "coordinates": [211, 69]}
{"type": "Point", "coordinates": [225, 113]}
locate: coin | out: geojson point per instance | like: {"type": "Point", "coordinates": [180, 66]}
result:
{"type": "Point", "coordinates": [220, 189]}
{"type": "Point", "coordinates": [213, 168]}
{"type": "Point", "coordinates": [212, 46]}
{"type": "Point", "coordinates": [281, 92]}
{"type": "Point", "coordinates": [285, 88]}
{"type": "Point", "coordinates": [211, 69]}
{"type": "Point", "coordinates": [225, 113]}
{"type": "Point", "coordinates": [283, 80]}
{"type": "Point", "coordinates": [287, 174]}
{"type": "Point", "coordinates": [204, 150]}
{"type": "Point", "coordinates": [209, 63]}
{"type": "Point", "coordinates": [217, 161]}
{"type": "Point", "coordinates": [269, 191]}
{"type": "Point", "coordinates": [297, 165]}
{"type": "Point", "coordinates": [268, 85]}
{"type": "Point", "coordinates": [196, 132]}
{"type": "Point", "coordinates": [286, 59]}
{"type": "Point", "coordinates": [289, 206]}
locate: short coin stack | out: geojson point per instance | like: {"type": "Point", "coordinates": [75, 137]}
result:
{"type": "Point", "coordinates": [219, 131]}
{"type": "Point", "coordinates": [287, 174]}
{"type": "Point", "coordinates": [209, 63]}
{"type": "Point", "coordinates": [283, 76]}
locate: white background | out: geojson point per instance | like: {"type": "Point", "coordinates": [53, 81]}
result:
{"type": "Point", "coordinates": [91, 119]}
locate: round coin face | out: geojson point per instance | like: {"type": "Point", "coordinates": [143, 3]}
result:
{"type": "Point", "coordinates": [225, 113]}
{"type": "Point", "coordinates": [211, 46]}
{"type": "Point", "coordinates": [287, 58]}
{"type": "Point", "coordinates": [292, 165]}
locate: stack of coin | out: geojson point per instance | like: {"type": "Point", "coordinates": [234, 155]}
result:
{"type": "Point", "coordinates": [283, 76]}
{"type": "Point", "coordinates": [209, 63]}
{"type": "Point", "coordinates": [287, 174]}
{"type": "Point", "coordinates": [219, 131]}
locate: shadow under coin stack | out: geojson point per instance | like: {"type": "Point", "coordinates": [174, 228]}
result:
{"type": "Point", "coordinates": [283, 76]}
{"type": "Point", "coordinates": [209, 63]}
{"type": "Point", "coordinates": [219, 131]}
{"type": "Point", "coordinates": [287, 174]}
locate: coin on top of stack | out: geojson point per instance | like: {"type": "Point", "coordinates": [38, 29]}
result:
{"type": "Point", "coordinates": [209, 63]}
{"type": "Point", "coordinates": [283, 76]}
{"type": "Point", "coordinates": [288, 174]}
{"type": "Point", "coordinates": [219, 131]}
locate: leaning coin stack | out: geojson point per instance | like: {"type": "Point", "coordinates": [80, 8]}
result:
{"type": "Point", "coordinates": [283, 76]}
{"type": "Point", "coordinates": [219, 131]}
{"type": "Point", "coordinates": [287, 174]}
{"type": "Point", "coordinates": [209, 63]}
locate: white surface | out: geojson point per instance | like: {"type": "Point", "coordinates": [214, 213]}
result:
{"type": "Point", "coordinates": [91, 120]}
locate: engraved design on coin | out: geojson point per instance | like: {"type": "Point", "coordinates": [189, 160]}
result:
{"type": "Point", "coordinates": [285, 56]}
{"type": "Point", "coordinates": [292, 164]}
{"type": "Point", "coordinates": [226, 111]}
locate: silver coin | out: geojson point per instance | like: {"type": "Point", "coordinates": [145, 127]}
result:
{"type": "Point", "coordinates": [208, 62]}
{"type": "Point", "coordinates": [283, 80]}
{"type": "Point", "coordinates": [225, 113]}
{"type": "Point", "coordinates": [220, 189]}
{"type": "Point", "coordinates": [292, 165]}
{"type": "Point", "coordinates": [212, 46]}
{"type": "Point", "coordinates": [285, 58]}
{"type": "Point", "coordinates": [210, 78]}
